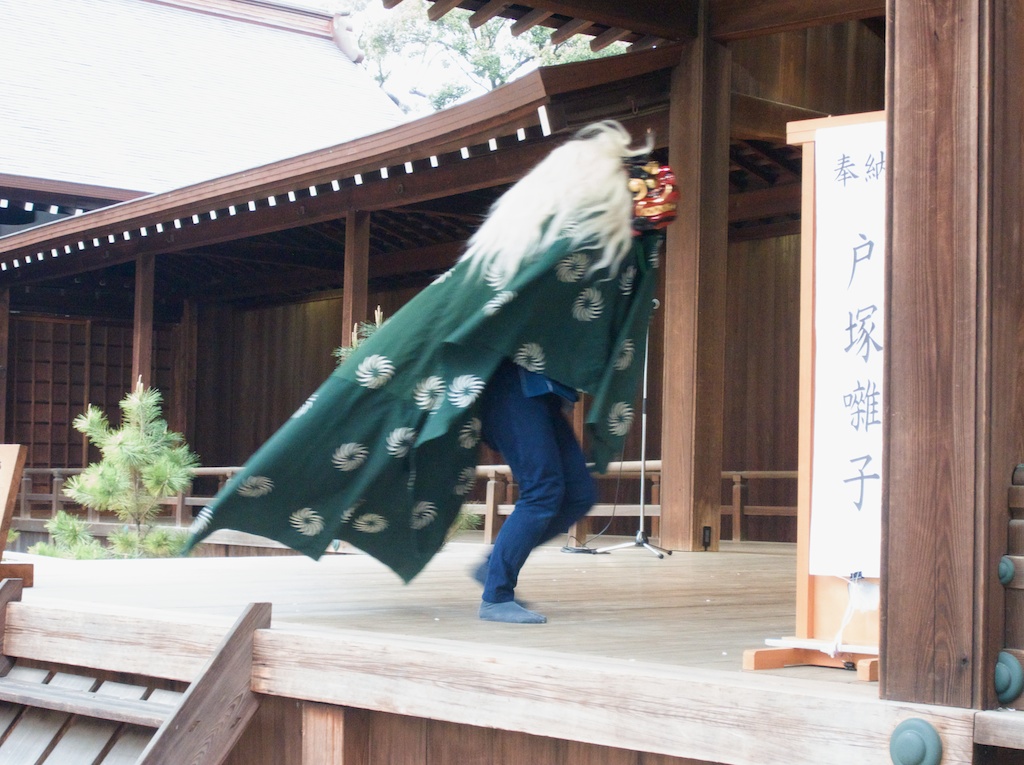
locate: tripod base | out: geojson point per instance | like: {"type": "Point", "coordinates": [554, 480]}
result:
{"type": "Point", "coordinates": [640, 541]}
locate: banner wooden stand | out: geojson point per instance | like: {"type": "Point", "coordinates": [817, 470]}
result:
{"type": "Point", "coordinates": [12, 463]}
{"type": "Point", "coordinates": [822, 602]}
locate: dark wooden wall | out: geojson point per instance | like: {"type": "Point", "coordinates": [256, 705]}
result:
{"type": "Point", "coordinates": [835, 69]}
{"type": "Point", "coordinates": [57, 366]}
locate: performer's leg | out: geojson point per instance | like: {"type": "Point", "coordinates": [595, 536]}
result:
{"type": "Point", "coordinates": [580, 489]}
{"type": "Point", "coordinates": [523, 430]}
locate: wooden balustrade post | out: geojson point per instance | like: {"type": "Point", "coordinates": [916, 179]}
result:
{"type": "Point", "coordinates": [494, 497]}
{"type": "Point", "coordinates": [26, 489]}
{"type": "Point", "coordinates": [58, 492]}
{"type": "Point", "coordinates": [739, 485]}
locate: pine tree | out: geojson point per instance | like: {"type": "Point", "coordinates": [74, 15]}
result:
{"type": "Point", "coordinates": [142, 462]}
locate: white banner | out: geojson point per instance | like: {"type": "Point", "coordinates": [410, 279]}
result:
{"type": "Point", "coordinates": [849, 348]}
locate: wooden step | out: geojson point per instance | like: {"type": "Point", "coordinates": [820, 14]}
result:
{"type": "Point", "coordinates": [149, 714]}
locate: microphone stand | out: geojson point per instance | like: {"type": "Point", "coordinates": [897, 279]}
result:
{"type": "Point", "coordinates": [641, 539]}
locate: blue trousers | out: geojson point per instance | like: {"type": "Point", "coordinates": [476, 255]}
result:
{"type": "Point", "coordinates": [555, 487]}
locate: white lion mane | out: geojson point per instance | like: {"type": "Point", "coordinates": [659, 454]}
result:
{"type": "Point", "coordinates": [577, 192]}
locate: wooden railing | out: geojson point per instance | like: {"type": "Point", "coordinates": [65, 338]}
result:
{"type": "Point", "coordinates": [740, 511]}
{"type": "Point", "coordinates": [37, 504]}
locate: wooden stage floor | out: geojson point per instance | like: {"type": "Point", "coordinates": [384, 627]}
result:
{"type": "Point", "coordinates": [639, 654]}
{"type": "Point", "coordinates": [689, 609]}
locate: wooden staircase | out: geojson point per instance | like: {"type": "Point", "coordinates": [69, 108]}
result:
{"type": "Point", "coordinates": [106, 688]}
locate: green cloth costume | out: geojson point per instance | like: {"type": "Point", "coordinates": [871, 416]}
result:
{"type": "Point", "coordinates": [384, 453]}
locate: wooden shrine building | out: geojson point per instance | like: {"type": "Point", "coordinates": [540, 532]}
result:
{"type": "Point", "coordinates": [229, 294]}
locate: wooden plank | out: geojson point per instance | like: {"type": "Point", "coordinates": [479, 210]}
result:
{"type": "Point", "coordinates": [632, 705]}
{"type": "Point", "coordinates": [10, 591]}
{"type": "Point", "coordinates": [37, 729]}
{"type": "Point", "coordinates": [218, 705]}
{"type": "Point", "coordinates": [740, 19]}
{"type": "Point", "coordinates": [81, 701]}
{"type": "Point", "coordinates": [696, 257]}
{"type": "Point", "coordinates": [1003, 728]}
{"type": "Point", "coordinates": [335, 736]}
{"type": "Point", "coordinates": [398, 739]}
{"type": "Point", "coordinates": [450, 744]}
{"type": "Point", "coordinates": [157, 644]}
{"type": "Point", "coordinates": [129, 745]}
{"type": "Point", "coordinates": [86, 738]}
{"type": "Point", "coordinates": [938, 364]}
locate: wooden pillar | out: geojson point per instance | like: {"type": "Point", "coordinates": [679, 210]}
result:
{"type": "Point", "coordinates": [182, 412]}
{"type": "Point", "coordinates": [695, 270]}
{"type": "Point", "coordinates": [357, 270]}
{"type": "Point", "coordinates": [5, 342]}
{"type": "Point", "coordinates": [142, 336]}
{"type": "Point", "coordinates": [955, 380]}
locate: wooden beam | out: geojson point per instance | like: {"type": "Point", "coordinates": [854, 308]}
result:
{"type": "Point", "coordinates": [765, 203]}
{"type": "Point", "coordinates": [939, 512]}
{"type": "Point", "coordinates": [670, 19]}
{"type": "Point", "coordinates": [487, 12]}
{"type": "Point", "coordinates": [695, 269]}
{"type": "Point", "coordinates": [142, 329]}
{"type": "Point", "coordinates": [608, 37]}
{"type": "Point", "coordinates": [357, 259]}
{"type": "Point", "coordinates": [528, 21]}
{"type": "Point", "coordinates": [569, 29]}
{"type": "Point", "coordinates": [758, 119]}
{"type": "Point", "coordinates": [740, 19]}
{"type": "Point", "coordinates": [1002, 166]}
{"type": "Point", "coordinates": [439, 8]}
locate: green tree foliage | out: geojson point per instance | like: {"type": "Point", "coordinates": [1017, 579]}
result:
{"type": "Point", "coordinates": [142, 462]}
{"type": "Point", "coordinates": [455, 59]}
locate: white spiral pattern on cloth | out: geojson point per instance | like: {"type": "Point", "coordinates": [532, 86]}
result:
{"type": "Point", "coordinates": [348, 457]}
{"type": "Point", "coordinates": [370, 523]}
{"type": "Point", "coordinates": [466, 482]}
{"type": "Point", "coordinates": [464, 390]}
{"type": "Point", "coordinates": [469, 435]}
{"type": "Point", "coordinates": [495, 277]}
{"type": "Point", "coordinates": [423, 515]}
{"type": "Point", "coordinates": [620, 418]}
{"type": "Point", "coordinates": [306, 406]}
{"type": "Point", "coordinates": [530, 357]}
{"type": "Point", "coordinates": [589, 305]}
{"type": "Point", "coordinates": [400, 441]}
{"type": "Point", "coordinates": [201, 522]}
{"type": "Point", "coordinates": [626, 280]}
{"type": "Point", "coordinates": [307, 522]}
{"type": "Point", "coordinates": [375, 371]}
{"type": "Point", "coordinates": [572, 268]}
{"type": "Point", "coordinates": [625, 355]}
{"type": "Point", "coordinates": [255, 486]}
{"type": "Point", "coordinates": [429, 393]}
{"type": "Point", "coordinates": [499, 301]}
{"type": "Point", "coordinates": [347, 515]}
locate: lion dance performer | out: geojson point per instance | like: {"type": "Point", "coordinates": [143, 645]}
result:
{"type": "Point", "coordinates": [552, 296]}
